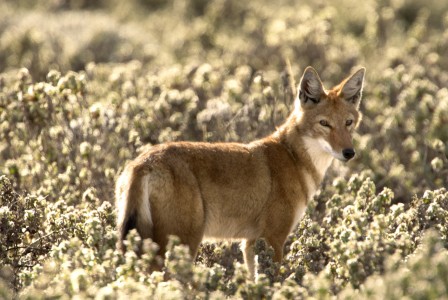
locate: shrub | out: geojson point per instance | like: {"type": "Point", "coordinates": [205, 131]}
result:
{"type": "Point", "coordinates": [76, 103]}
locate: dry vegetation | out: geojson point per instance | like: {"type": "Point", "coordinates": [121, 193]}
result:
{"type": "Point", "coordinates": [85, 84]}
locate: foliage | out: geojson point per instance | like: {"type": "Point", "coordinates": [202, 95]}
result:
{"type": "Point", "coordinates": [85, 85]}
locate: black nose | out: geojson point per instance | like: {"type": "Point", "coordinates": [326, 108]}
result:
{"type": "Point", "coordinates": [348, 153]}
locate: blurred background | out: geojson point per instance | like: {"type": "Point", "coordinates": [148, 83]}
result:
{"type": "Point", "coordinates": [217, 70]}
{"type": "Point", "coordinates": [330, 35]}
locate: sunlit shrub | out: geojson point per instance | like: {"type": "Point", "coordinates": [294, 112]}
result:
{"type": "Point", "coordinates": [86, 85]}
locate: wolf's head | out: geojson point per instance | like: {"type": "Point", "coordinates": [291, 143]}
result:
{"type": "Point", "coordinates": [327, 118]}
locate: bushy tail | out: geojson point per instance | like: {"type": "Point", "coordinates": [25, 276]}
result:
{"type": "Point", "coordinates": [132, 202]}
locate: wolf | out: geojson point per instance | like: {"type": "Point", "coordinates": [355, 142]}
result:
{"type": "Point", "coordinates": [197, 190]}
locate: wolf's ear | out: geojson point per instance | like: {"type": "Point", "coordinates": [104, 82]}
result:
{"type": "Point", "coordinates": [310, 88]}
{"type": "Point", "coordinates": [352, 87]}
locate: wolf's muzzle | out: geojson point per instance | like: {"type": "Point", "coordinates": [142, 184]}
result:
{"type": "Point", "coordinates": [348, 153]}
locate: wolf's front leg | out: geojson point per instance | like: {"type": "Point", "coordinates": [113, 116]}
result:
{"type": "Point", "coordinates": [249, 256]}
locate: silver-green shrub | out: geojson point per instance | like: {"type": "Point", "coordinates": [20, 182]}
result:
{"type": "Point", "coordinates": [85, 85]}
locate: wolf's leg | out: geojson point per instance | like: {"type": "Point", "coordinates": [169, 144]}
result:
{"type": "Point", "coordinates": [277, 243]}
{"type": "Point", "coordinates": [249, 256]}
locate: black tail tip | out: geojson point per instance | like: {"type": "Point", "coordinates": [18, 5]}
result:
{"type": "Point", "coordinates": [129, 224]}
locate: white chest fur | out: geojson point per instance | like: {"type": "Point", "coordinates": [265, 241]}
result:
{"type": "Point", "coordinates": [320, 152]}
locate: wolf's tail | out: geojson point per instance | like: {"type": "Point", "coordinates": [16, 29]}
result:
{"type": "Point", "coordinates": [132, 202]}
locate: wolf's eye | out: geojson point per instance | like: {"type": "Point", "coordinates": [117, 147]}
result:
{"type": "Point", "coordinates": [348, 122]}
{"type": "Point", "coordinates": [324, 123]}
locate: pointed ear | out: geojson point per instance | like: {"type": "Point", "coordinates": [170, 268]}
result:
{"type": "Point", "coordinates": [351, 89]}
{"type": "Point", "coordinates": [310, 87]}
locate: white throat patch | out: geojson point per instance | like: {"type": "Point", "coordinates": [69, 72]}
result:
{"type": "Point", "coordinates": [320, 152]}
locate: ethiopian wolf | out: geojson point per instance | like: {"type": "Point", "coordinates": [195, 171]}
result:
{"type": "Point", "coordinates": [242, 191]}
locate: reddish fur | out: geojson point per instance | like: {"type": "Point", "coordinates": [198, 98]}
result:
{"type": "Point", "coordinates": [237, 191]}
